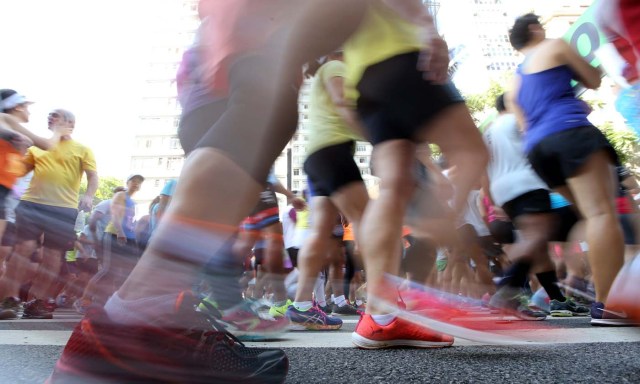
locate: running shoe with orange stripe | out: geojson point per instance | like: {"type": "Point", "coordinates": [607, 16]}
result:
{"type": "Point", "coordinates": [399, 333]}
{"type": "Point", "coordinates": [193, 349]}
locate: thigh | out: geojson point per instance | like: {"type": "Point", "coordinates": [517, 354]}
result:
{"type": "Point", "coordinates": [59, 228]}
{"type": "Point", "coordinates": [594, 186]}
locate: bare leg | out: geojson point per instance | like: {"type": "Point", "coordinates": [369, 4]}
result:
{"type": "Point", "coordinates": [47, 273]}
{"type": "Point", "coordinates": [594, 191]}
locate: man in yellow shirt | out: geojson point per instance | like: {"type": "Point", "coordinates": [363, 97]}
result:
{"type": "Point", "coordinates": [49, 207]}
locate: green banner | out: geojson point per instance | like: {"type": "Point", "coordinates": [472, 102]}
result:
{"type": "Point", "coordinates": [585, 37]}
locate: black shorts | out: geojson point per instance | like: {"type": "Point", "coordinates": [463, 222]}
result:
{"type": "Point", "coordinates": [559, 156]}
{"type": "Point", "coordinates": [251, 126]}
{"type": "Point", "coordinates": [9, 236]}
{"type": "Point", "coordinates": [567, 218]}
{"type": "Point", "coordinates": [4, 192]}
{"type": "Point", "coordinates": [331, 168]}
{"type": "Point", "coordinates": [502, 231]}
{"type": "Point", "coordinates": [396, 101]}
{"type": "Point", "coordinates": [56, 223]}
{"type": "Point", "coordinates": [265, 213]}
{"type": "Point", "coordinates": [533, 202]}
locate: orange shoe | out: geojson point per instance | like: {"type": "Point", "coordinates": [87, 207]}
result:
{"type": "Point", "coordinates": [399, 333]}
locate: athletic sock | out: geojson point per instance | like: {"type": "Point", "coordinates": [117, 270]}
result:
{"type": "Point", "coordinates": [302, 305]}
{"type": "Point", "coordinates": [384, 319]}
{"type": "Point", "coordinates": [148, 310]}
{"type": "Point", "coordinates": [340, 301]}
{"type": "Point", "coordinates": [549, 281]}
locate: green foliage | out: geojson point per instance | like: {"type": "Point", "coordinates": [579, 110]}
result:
{"type": "Point", "coordinates": [105, 188]}
{"type": "Point", "coordinates": [625, 143]}
{"type": "Point", "coordinates": [480, 103]}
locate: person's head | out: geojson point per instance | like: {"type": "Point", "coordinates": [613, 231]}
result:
{"type": "Point", "coordinates": [134, 182]}
{"type": "Point", "coordinates": [15, 104]}
{"type": "Point", "coordinates": [61, 118]}
{"type": "Point", "coordinates": [526, 30]}
{"type": "Point", "coordinates": [119, 188]}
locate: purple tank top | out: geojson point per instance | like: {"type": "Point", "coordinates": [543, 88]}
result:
{"type": "Point", "coordinates": [549, 104]}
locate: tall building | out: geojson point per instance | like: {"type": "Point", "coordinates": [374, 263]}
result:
{"type": "Point", "coordinates": [157, 152]}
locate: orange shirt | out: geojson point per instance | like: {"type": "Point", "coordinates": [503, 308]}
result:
{"type": "Point", "coordinates": [11, 166]}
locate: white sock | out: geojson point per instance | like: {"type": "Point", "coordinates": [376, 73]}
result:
{"type": "Point", "coordinates": [384, 319]}
{"type": "Point", "coordinates": [340, 301]}
{"type": "Point", "coordinates": [318, 292]}
{"type": "Point", "coordinates": [149, 310]}
{"type": "Point", "coordinates": [303, 305]}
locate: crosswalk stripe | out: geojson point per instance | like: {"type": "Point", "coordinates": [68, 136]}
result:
{"type": "Point", "coordinates": [330, 339]}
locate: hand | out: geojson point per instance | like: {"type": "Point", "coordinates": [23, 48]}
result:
{"type": "Point", "coordinates": [86, 203]}
{"type": "Point", "coordinates": [434, 60]}
{"type": "Point", "coordinates": [63, 130]}
{"type": "Point", "coordinates": [298, 203]}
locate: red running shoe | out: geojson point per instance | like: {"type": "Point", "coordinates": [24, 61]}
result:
{"type": "Point", "coordinates": [194, 349]}
{"type": "Point", "coordinates": [399, 333]}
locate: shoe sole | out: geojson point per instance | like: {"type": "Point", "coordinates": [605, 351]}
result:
{"type": "Point", "coordinates": [364, 343]}
{"type": "Point", "coordinates": [614, 323]}
{"type": "Point", "coordinates": [561, 313]}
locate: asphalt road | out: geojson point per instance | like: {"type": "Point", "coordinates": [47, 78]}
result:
{"type": "Point", "coordinates": [573, 351]}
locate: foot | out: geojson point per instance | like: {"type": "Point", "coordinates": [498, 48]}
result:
{"type": "Point", "coordinates": [347, 309]}
{"type": "Point", "coordinates": [313, 319]}
{"type": "Point", "coordinates": [247, 324]}
{"type": "Point", "coordinates": [10, 308]}
{"type": "Point", "coordinates": [602, 316]}
{"type": "Point", "coordinates": [513, 302]}
{"type": "Point", "coordinates": [567, 308]}
{"type": "Point", "coordinates": [280, 311]}
{"type": "Point", "coordinates": [399, 333]}
{"type": "Point", "coordinates": [38, 309]}
{"type": "Point", "coordinates": [193, 348]}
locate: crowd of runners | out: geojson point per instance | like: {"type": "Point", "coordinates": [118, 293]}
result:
{"type": "Point", "coordinates": [530, 218]}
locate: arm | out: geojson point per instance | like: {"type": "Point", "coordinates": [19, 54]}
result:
{"type": "Point", "coordinates": [589, 76]}
{"type": "Point", "coordinates": [162, 206]}
{"type": "Point", "coordinates": [93, 221]}
{"type": "Point", "coordinates": [434, 59]}
{"type": "Point", "coordinates": [335, 89]}
{"type": "Point", "coordinates": [118, 207]}
{"type": "Point", "coordinates": [92, 186]}
{"type": "Point", "coordinates": [297, 202]}
{"type": "Point", "coordinates": [38, 141]}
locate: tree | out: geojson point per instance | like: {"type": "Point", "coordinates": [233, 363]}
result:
{"type": "Point", "coordinates": [105, 188]}
{"type": "Point", "coordinates": [481, 104]}
{"type": "Point", "coordinates": [625, 143]}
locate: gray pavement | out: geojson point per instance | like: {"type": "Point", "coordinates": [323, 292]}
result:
{"type": "Point", "coordinates": [570, 350]}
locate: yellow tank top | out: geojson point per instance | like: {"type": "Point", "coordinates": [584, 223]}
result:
{"type": "Point", "coordinates": [302, 219]}
{"type": "Point", "coordinates": [383, 34]}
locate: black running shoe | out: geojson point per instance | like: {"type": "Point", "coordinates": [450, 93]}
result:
{"type": "Point", "coordinates": [37, 309]}
{"type": "Point", "coordinates": [194, 349]}
{"type": "Point", "coordinates": [10, 308]}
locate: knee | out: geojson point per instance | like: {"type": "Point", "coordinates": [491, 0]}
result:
{"type": "Point", "coordinates": [399, 186]}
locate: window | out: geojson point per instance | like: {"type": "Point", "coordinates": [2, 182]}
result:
{"type": "Point", "coordinates": [160, 161]}
{"type": "Point", "coordinates": [296, 184]}
{"type": "Point", "coordinates": [296, 172]}
{"type": "Point", "coordinates": [174, 163]}
{"type": "Point", "coordinates": [362, 160]}
{"type": "Point", "coordinates": [156, 183]}
{"type": "Point", "coordinates": [174, 143]}
{"type": "Point", "coordinates": [148, 143]}
{"type": "Point", "coordinates": [361, 148]}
